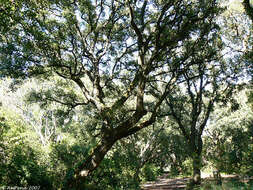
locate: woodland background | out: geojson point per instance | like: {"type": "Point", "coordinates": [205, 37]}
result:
{"type": "Point", "coordinates": [109, 94]}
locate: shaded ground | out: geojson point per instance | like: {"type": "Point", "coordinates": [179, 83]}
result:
{"type": "Point", "coordinates": [165, 183]}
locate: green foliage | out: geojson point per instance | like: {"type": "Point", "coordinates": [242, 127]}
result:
{"type": "Point", "coordinates": [22, 160]}
{"type": "Point", "coordinates": [123, 168]}
{"type": "Point", "coordinates": [106, 70]}
{"type": "Point", "coordinates": [228, 144]}
{"type": "Point", "coordinates": [150, 172]}
{"type": "Point", "coordinates": [233, 184]}
{"type": "Point", "coordinates": [248, 7]}
{"type": "Point", "coordinates": [114, 173]}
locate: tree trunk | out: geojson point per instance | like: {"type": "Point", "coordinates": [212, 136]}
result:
{"type": "Point", "coordinates": [196, 175]}
{"type": "Point", "coordinates": [77, 181]}
{"type": "Point", "coordinates": [136, 174]}
{"type": "Point", "coordinates": [196, 163]}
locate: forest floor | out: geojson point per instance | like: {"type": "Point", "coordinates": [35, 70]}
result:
{"type": "Point", "coordinates": [166, 183]}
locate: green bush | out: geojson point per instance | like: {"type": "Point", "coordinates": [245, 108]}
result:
{"type": "Point", "coordinates": [22, 159]}
{"type": "Point", "coordinates": [150, 172]}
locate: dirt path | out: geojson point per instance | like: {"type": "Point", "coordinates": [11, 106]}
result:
{"type": "Point", "coordinates": [165, 183]}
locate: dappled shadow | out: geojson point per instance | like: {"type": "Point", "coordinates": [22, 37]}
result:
{"type": "Point", "coordinates": [164, 183]}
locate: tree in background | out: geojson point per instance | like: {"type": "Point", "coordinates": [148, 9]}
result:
{"type": "Point", "coordinates": [115, 60]}
{"type": "Point", "coordinates": [228, 139]}
{"type": "Point", "coordinates": [249, 53]}
{"type": "Point", "coordinates": [248, 5]}
{"type": "Point", "coordinates": [23, 159]}
{"type": "Point", "coordinates": [45, 121]}
{"type": "Point", "coordinates": [191, 103]}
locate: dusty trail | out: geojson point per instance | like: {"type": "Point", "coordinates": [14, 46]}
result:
{"type": "Point", "coordinates": [165, 183]}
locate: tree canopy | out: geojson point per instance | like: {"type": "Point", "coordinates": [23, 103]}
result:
{"type": "Point", "coordinates": [123, 65]}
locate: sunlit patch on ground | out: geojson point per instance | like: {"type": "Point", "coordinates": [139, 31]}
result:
{"type": "Point", "coordinates": [165, 183]}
